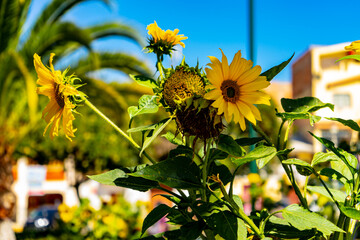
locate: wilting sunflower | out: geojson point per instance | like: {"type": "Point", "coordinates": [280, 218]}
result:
{"type": "Point", "coordinates": [57, 87]}
{"type": "Point", "coordinates": [236, 88]}
{"type": "Point", "coordinates": [162, 42]}
{"type": "Point", "coordinates": [354, 46]}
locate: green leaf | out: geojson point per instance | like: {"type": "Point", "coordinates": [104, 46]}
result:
{"type": "Point", "coordinates": [223, 171]}
{"type": "Point", "coordinates": [333, 174]}
{"type": "Point", "coordinates": [248, 141]}
{"type": "Point", "coordinates": [144, 81]}
{"type": "Point", "coordinates": [302, 219]}
{"type": "Point", "coordinates": [293, 116]}
{"type": "Point", "coordinates": [216, 154]}
{"type": "Point", "coordinates": [109, 177]}
{"type": "Point", "coordinates": [181, 150]}
{"type": "Point", "coordinates": [148, 127]}
{"type": "Point", "coordinates": [238, 202]}
{"type": "Point", "coordinates": [338, 195]}
{"type": "Point", "coordinates": [191, 230]}
{"type": "Point", "coordinates": [262, 154]}
{"type": "Point", "coordinates": [179, 172]}
{"type": "Point", "coordinates": [302, 167]}
{"type": "Point", "coordinates": [321, 157]}
{"type": "Point", "coordinates": [159, 128]}
{"type": "Point", "coordinates": [229, 145]}
{"type": "Point", "coordinates": [172, 138]}
{"type": "Point", "coordinates": [304, 105]}
{"type": "Point", "coordinates": [136, 183]}
{"type": "Point", "coordinates": [227, 225]}
{"type": "Point", "coordinates": [120, 178]}
{"type": "Point", "coordinates": [349, 123]}
{"type": "Point", "coordinates": [350, 212]}
{"type": "Point", "coordinates": [356, 57]}
{"type": "Point", "coordinates": [272, 72]}
{"type": "Point", "coordinates": [280, 228]}
{"type": "Point", "coordinates": [340, 153]}
{"type": "Point", "coordinates": [147, 104]}
{"type": "Point", "coordinates": [296, 161]}
{"type": "Point", "coordinates": [155, 215]}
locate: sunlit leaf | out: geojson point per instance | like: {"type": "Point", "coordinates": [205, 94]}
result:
{"type": "Point", "coordinates": [144, 81]}
{"type": "Point", "coordinates": [347, 122]}
{"type": "Point", "coordinates": [303, 219]}
{"type": "Point", "coordinates": [338, 195]}
{"type": "Point", "coordinates": [304, 105]}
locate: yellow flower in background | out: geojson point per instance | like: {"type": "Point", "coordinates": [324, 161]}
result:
{"type": "Point", "coordinates": [236, 88]}
{"type": "Point", "coordinates": [162, 42]}
{"type": "Point", "coordinates": [57, 88]}
{"type": "Point", "coordinates": [254, 178]}
{"type": "Point", "coordinates": [354, 46]}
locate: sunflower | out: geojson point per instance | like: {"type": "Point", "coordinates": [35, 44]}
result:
{"type": "Point", "coordinates": [56, 86]}
{"type": "Point", "coordinates": [354, 46]}
{"type": "Point", "coordinates": [162, 42]}
{"type": "Point", "coordinates": [236, 88]}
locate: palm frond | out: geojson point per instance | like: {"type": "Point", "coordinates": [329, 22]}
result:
{"type": "Point", "coordinates": [9, 21]}
{"type": "Point", "coordinates": [116, 29]}
{"type": "Point", "coordinates": [117, 61]}
{"type": "Point", "coordinates": [55, 10]}
{"type": "Point", "coordinates": [56, 34]}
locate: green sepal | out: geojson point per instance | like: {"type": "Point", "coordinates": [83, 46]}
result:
{"type": "Point", "coordinates": [144, 81]}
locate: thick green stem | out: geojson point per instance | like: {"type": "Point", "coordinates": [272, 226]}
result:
{"type": "Point", "coordinates": [240, 212]}
{"type": "Point", "coordinates": [340, 223]}
{"type": "Point", "coordinates": [122, 133]}
{"type": "Point", "coordinates": [205, 169]}
{"type": "Point", "coordinates": [281, 146]}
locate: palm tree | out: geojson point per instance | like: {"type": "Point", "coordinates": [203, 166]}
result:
{"type": "Point", "coordinates": [19, 103]}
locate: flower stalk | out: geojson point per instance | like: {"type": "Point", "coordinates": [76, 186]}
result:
{"type": "Point", "coordinates": [119, 130]}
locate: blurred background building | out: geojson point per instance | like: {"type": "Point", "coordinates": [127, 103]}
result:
{"type": "Point", "coordinates": [317, 73]}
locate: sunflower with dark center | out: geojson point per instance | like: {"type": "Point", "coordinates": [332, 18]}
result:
{"type": "Point", "coordinates": [61, 90]}
{"type": "Point", "coordinates": [236, 88]}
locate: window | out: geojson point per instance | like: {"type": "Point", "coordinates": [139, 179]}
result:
{"type": "Point", "coordinates": [342, 100]}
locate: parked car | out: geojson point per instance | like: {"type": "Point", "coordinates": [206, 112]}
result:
{"type": "Point", "coordinates": [43, 218]}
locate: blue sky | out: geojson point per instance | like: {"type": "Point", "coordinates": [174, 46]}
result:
{"type": "Point", "coordinates": [281, 27]}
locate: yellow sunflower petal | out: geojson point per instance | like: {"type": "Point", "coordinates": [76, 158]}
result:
{"type": "Point", "coordinates": [51, 108]}
{"type": "Point", "coordinates": [246, 112]}
{"type": "Point", "coordinates": [228, 117]}
{"type": "Point", "coordinates": [236, 114]}
{"type": "Point", "coordinates": [68, 118]}
{"type": "Point", "coordinates": [213, 95]}
{"type": "Point", "coordinates": [44, 74]}
{"type": "Point", "coordinates": [215, 77]}
{"type": "Point", "coordinates": [54, 131]}
{"type": "Point", "coordinates": [235, 66]}
{"type": "Point", "coordinates": [255, 85]}
{"type": "Point", "coordinates": [225, 66]}
{"type": "Point", "coordinates": [257, 97]}
{"type": "Point", "coordinates": [255, 112]}
{"type": "Point", "coordinates": [47, 90]}
{"type": "Point", "coordinates": [249, 75]}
